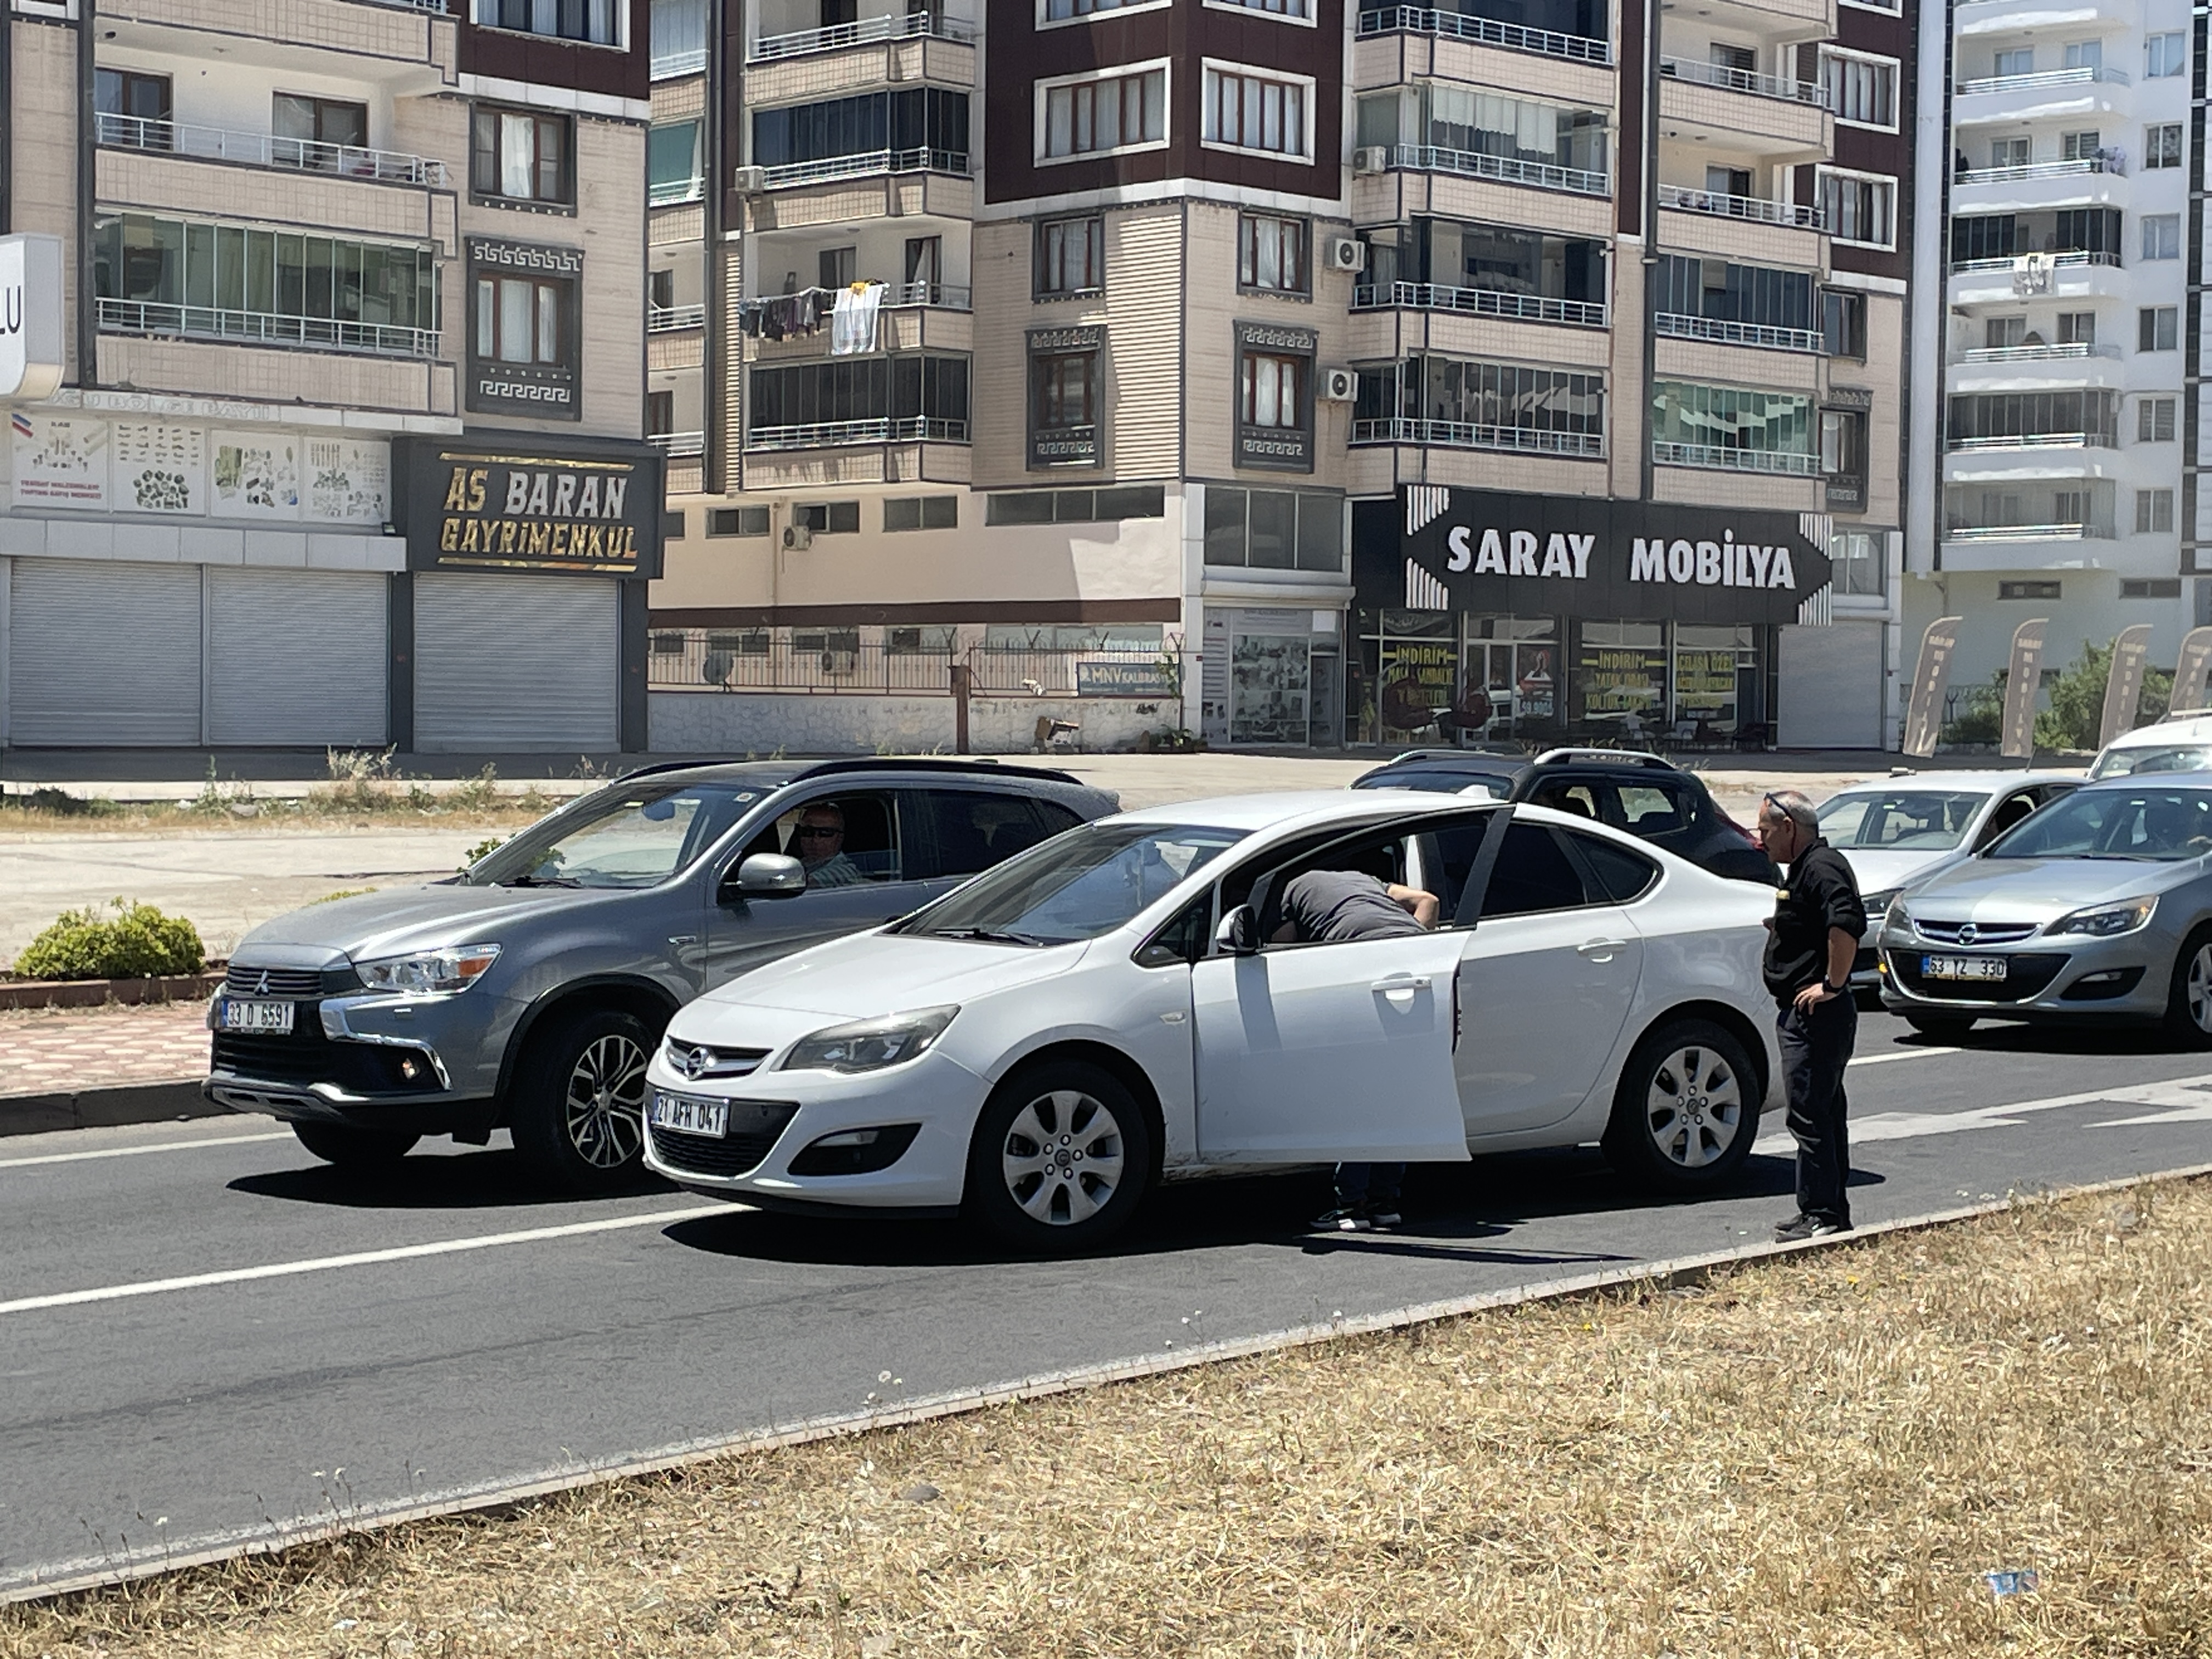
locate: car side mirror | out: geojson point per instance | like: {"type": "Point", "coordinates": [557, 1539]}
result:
{"type": "Point", "coordinates": [769, 875]}
{"type": "Point", "coordinates": [1239, 932]}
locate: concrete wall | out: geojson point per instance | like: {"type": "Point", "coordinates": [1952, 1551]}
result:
{"type": "Point", "coordinates": [740, 723]}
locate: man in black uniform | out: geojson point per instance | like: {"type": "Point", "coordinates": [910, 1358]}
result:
{"type": "Point", "coordinates": [1818, 922]}
{"type": "Point", "coordinates": [1332, 906]}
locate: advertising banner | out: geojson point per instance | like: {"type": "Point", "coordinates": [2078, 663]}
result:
{"type": "Point", "coordinates": [60, 460]}
{"type": "Point", "coordinates": [1123, 679]}
{"type": "Point", "coordinates": [30, 317]}
{"type": "Point", "coordinates": [2124, 689]}
{"type": "Point", "coordinates": [157, 468]}
{"type": "Point", "coordinates": [2188, 690]}
{"type": "Point", "coordinates": [534, 505]}
{"type": "Point", "coordinates": [1923, 711]}
{"type": "Point", "coordinates": [2022, 680]}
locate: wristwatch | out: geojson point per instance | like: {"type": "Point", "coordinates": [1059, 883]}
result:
{"type": "Point", "coordinates": [1833, 989]}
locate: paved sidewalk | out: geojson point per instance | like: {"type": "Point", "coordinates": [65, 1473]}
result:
{"type": "Point", "coordinates": [69, 1050]}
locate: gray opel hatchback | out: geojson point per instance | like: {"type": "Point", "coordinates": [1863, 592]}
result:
{"type": "Point", "coordinates": [529, 992]}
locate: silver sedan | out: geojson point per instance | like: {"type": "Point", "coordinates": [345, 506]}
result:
{"type": "Point", "coordinates": [2097, 908]}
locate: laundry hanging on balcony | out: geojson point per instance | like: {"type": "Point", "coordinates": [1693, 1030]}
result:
{"type": "Point", "coordinates": [784, 316]}
{"type": "Point", "coordinates": [852, 319]}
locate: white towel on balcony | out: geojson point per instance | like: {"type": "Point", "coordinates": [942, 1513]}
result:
{"type": "Point", "coordinates": [852, 319]}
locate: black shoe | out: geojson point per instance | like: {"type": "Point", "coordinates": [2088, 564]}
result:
{"type": "Point", "coordinates": [1385, 1217]}
{"type": "Point", "coordinates": [1351, 1218]}
{"type": "Point", "coordinates": [1799, 1228]}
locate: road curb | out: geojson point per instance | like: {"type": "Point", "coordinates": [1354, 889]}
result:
{"type": "Point", "coordinates": [82, 1575]}
{"type": "Point", "coordinates": [163, 1102]}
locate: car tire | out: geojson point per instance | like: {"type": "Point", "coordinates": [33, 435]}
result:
{"type": "Point", "coordinates": [2189, 1000]}
{"type": "Point", "coordinates": [1685, 1109]}
{"type": "Point", "coordinates": [578, 1112]}
{"type": "Point", "coordinates": [351, 1148]}
{"type": "Point", "coordinates": [1941, 1025]}
{"type": "Point", "coordinates": [1061, 1157]}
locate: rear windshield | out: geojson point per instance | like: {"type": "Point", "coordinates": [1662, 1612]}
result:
{"type": "Point", "coordinates": [1901, 820]}
{"type": "Point", "coordinates": [2159, 824]}
{"type": "Point", "coordinates": [2163, 758]}
{"type": "Point", "coordinates": [1081, 883]}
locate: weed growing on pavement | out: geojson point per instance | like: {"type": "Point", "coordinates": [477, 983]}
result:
{"type": "Point", "coordinates": [1827, 1455]}
{"type": "Point", "coordinates": [137, 941]}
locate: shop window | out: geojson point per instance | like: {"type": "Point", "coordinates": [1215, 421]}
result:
{"type": "Point", "coordinates": [921, 512]}
{"type": "Point", "coordinates": [1274, 529]}
{"type": "Point", "coordinates": [516, 156]}
{"type": "Point", "coordinates": [1071, 257]}
{"type": "Point", "coordinates": [737, 521]}
{"type": "Point", "coordinates": [1620, 677]}
{"type": "Point", "coordinates": [829, 518]}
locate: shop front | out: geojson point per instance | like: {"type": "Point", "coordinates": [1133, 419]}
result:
{"type": "Point", "coordinates": [1271, 676]}
{"type": "Point", "coordinates": [1485, 616]}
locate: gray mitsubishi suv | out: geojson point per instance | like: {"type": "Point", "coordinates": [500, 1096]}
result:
{"type": "Point", "coordinates": [529, 992]}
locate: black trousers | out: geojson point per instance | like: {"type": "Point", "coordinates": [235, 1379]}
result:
{"type": "Point", "coordinates": [1815, 1049]}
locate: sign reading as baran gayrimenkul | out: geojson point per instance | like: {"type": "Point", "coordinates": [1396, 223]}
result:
{"type": "Point", "coordinates": [590, 509]}
{"type": "Point", "coordinates": [30, 317]}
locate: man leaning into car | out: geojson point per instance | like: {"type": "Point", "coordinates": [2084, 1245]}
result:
{"type": "Point", "coordinates": [1819, 920]}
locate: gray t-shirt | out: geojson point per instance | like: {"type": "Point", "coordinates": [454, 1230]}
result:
{"type": "Point", "coordinates": [1332, 906]}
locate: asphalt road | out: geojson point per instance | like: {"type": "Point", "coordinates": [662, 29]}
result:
{"type": "Point", "coordinates": [283, 1386]}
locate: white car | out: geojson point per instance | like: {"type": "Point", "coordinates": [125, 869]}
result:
{"type": "Point", "coordinates": [2178, 742]}
{"type": "Point", "coordinates": [1894, 830]}
{"type": "Point", "coordinates": [1109, 1010]}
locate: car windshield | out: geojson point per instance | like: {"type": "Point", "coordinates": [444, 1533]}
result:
{"type": "Point", "coordinates": [2161, 757]}
{"type": "Point", "coordinates": [1495, 785]}
{"type": "Point", "coordinates": [2163, 824]}
{"type": "Point", "coordinates": [631, 834]}
{"type": "Point", "coordinates": [1080, 884]}
{"type": "Point", "coordinates": [1901, 820]}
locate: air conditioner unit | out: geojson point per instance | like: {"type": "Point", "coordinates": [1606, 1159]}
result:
{"type": "Point", "coordinates": [797, 538]}
{"type": "Point", "coordinates": [749, 181]}
{"type": "Point", "coordinates": [1339, 385]}
{"type": "Point", "coordinates": [1374, 158]}
{"type": "Point", "coordinates": [1345, 254]}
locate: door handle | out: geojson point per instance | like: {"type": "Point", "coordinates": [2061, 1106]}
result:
{"type": "Point", "coordinates": [1400, 988]}
{"type": "Point", "coordinates": [680, 940]}
{"type": "Point", "coordinates": [1601, 949]}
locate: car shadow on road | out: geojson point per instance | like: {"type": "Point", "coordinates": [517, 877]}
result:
{"type": "Point", "coordinates": [2094, 1041]}
{"type": "Point", "coordinates": [486, 1180]}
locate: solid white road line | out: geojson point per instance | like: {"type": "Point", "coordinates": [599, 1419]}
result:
{"type": "Point", "coordinates": [359, 1259]}
{"type": "Point", "coordinates": [1888, 1054]}
{"type": "Point", "coordinates": [133, 1152]}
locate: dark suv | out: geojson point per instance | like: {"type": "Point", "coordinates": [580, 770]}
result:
{"type": "Point", "coordinates": [529, 992]}
{"type": "Point", "coordinates": [1645, 794]}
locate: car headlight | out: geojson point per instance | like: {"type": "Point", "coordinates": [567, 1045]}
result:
{"type": "Point", "coordinates": [2106, 919]}
{"type": "Point", "coordinates": [1877, 905]}
{"type": "Point", "coordinates": [429, 972]}
{"type": "Point", "coordinates": [867, 1045]}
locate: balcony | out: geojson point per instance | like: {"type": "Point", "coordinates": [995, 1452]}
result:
{"type": "Point", "coordinates": [674, 192]}
{"type": "Point", "coordinates": [1744, 81]}
{"type": "Point", "coordinates": [2035, 354]}
{"type": "Point", "coordinates": [669, 319]}
{"type": "Point", "coordinates": [675, 65]}
{"type": "Point", "coordinates": [1464, 434]}
{"type": "Point", "coordinates": [263, 328]}
{"type": "Point", "coordinates": [869, 163]}
{"type": "Point", "coordinates": [1680, 326]}
{"type": "Point", "coordinates": [1482, 32]}
{"type": "Point", "coordinates": [1503, 169]}
{"type": "Point", "coordinates": [2028, 533]}
{"type": "Point", "coordinates": [262, 149]}
{"type": "Point", "coordinates": [867, 31]}
{"type": "Point", "coordinates": [2016, 86]}
{"type": "Point", "coordinates": [677, 445]}
{"type": "Point", "coordinates": [2032, 441]}
{"type": "Point", "coordinates": [1755, 209]}
{"type": "Point", "coordinates": [1714, 457]}
{"type": "Point", "coordinates": [2086, 182]}
{"type": "Point", "coordinates": [910, 317]}
{"type": "Point", "coordinates": [831, 434]}
{"type": "Point", "coordinates": [1481, 302]}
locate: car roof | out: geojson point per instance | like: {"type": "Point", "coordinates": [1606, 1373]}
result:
{"type": "Point", "coordinates": [1472, 760]}
{"type": "Point", "coordinates": [1318, 806]}
{"type": "Point", "coordinates": [2174, 728]}
{"type": "Point", "coordinates": [2153, 780]}
{"type": "Point", "coordinates": [1986, 778]}
{"type": "Point", "coordinates": [774, 774]}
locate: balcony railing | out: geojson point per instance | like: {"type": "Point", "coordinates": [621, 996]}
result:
{"type": "Point", "coordinates": [1683, 199]}
{"type": "Point", "coordinates": [2028, 533]}
{"type": "Point", "coordinates": [264, 149]}
{"type": "Point", "coordinates": [2040, 80]}
{"type": "Point", "coordinates": [668, 193]}
{"type": "Point", "coordinates": [436, 8]}
{"type": "Point", "coordinates": [1736, 460]}
{"type": "Point", "coordinates": [678, 443]}
{"type": "Point", "coordinates": [2073, 169]}
{"type": "Point", "coordinates": [1483, 31]}
{"type": "Point", "coordinates": [667, 319]}
{"type": "Point", "coordinates": [261, 327]}
{"type": "Point", "coordinates": [1467, 434]}
{"type": "Point", "coordinates": [943, 296]}
{"type": "Point", "coordinates": [1683, 327]}
{"type": "Point", "coordinates": [1474, 164]}
{"type": "Point", "coordinates": [2037, 354]}
{"type": "Point", "coordinates": [867, 31]}
{"type": "Point", "coordinates": [1479, 302]}
{"type": "Point", "coordinates": [859, 167]}
{"type": "Point", "coordinates": [1736, 79]}
{"type": "Point", "coordinates": [674, 65]}
{"type": "Point", "coordinates": [830, 434]}
{"type": "Point", "coordinates": [2034, 440]}
{"type": "Point", "coordinates": [2012, 262]}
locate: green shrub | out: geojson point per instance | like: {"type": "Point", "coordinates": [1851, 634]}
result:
{"type": "Point", "coordinates": [2077, 700]}
{"type": "Point", "coordinates": [137, 942]}
{"type": "Point", "coordinates": [1980, 714]}
{"type": "Point", "coordinates": [482, 850]}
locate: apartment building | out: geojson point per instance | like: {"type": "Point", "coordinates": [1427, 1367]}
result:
{"type": "Point", "coordinates": [350, 446]}
{"type": "Point", "coordinates": [2069, 409]}
{"type": "Point", "coordinates": [1296, 374]}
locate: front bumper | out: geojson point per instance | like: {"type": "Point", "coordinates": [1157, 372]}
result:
{"type": "Point", "coordinates": [2074, 979]}
{"type": "Point", "coordinates": [426, 1064]}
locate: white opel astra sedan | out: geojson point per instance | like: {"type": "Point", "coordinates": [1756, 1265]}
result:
{"type": "Point", "coordinates": [1122, 1006]}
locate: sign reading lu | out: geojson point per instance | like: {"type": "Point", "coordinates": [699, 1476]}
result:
{"type": "Point", "coordinates": [30, 317]}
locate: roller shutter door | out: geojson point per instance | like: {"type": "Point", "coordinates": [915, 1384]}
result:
{"type": "Point", "coordinates": [1831, 681]}
{"type": "Point", "coordinates": [297, 656]}
{"type": "Point", "coordinates": [517, 663]}
{"type": "Point", "coordinates": [102, 653]}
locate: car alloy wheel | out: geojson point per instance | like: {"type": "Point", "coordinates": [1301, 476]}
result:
{"type": "Point", "coordinates": [2188, 1002]}
{"type": "Point", "coordinates": [1062, 1157]}
{"type": "Point", "coordinates": [1694, 1107]}
{"type": "Point", "coordinates": [2198, 988]}
{"type": "Point", "coordinates": [604, 1111]}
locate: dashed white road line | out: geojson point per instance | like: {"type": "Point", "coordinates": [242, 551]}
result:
{"type": "Point", "coordinates": [1888, 1054]}
{"type": "Point", "coordinates": [134, 1152]}
{"type": "Point", "coordinates": [2181, 1099]}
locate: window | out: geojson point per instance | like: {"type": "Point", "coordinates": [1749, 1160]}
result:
{"type": "Point", "coordinates": [1843, 324]}
{"type": "Point", "coordinates": [659, 412]}
{"type": "Point", "coordinates": [1301, 9]}
{"type": "Point", "coordinates": [311, 132]}
{"type": "Point", "coordinates": [1100, 116]}
{"type": "Point", "coordinates": [596, 23]}
{"type": "Point", "coordinates": [2153, 512]}
{"type": "Point", "coordinates": [2027, 589]}
{"type": "Point", "coordinates": [2162, 236]}
{"type": "Point", "coordinates": [1062, 11]}
{"type": "Point", "coordinates": [829, 518]}
{"type": "Point", "coordinates": [1272, 392]}
{"type": "Point", "coordinates": [2090, 417]}
{"type": "Point", "coordinates": [934, 640]}
{"type": "Point", "coordinates": [1271, 254]}
{"type": "Point", "coordinates": [2085, 54]}
{"type": "Point", "coordinates": [2004, 333]}
{"type": "Point", "coordinates": [1732, 419]}
{"type": "Point", "coordinates": [2081, 146]}
{"type": "Point", "coordinates": [1533, 873]}
{"type": "Point", "coordinates": [2165, 55]}
{"type": "Point", "coordinates": [1071, 257]}
{"type": "Point", "coordinates": [672, 168]}
{"type": "Point", "coordinates": [678, 37]}
{"type": "Point", "coordinates": [1860, 90]}
{"type": "Point", "coordinates": [922, 513]}
{"type": "Point", "coordinates": [2162, 145]}
{"type": "Point", "coordinates": [968, 831]}
{"type": "Point", "coordinates": [926, 394]}
{"type": "Point", "coordinates": [737, 521]}
{"type": "Point", "coordinates": [1274, 529]}
{"type": "Point", "coordinates": [1244, 111]}
{"type": "Point", "coordinates": [521, 158]}
{"type": "Point", "coordinates": [1857, 557]}
{"type": "Point", "coordinates": [2150, 587]}
{"type": "Point", "coordinates": [2157, 328]}
{"type": "Point", "coordinates": [835, 267]}
{"type": "Point", "coordinates": [2155, 420]}
{"type": "Point", "coordinates": [2007, 152]}
{"type": "Point", "coordinates": [1499, 134]}
{"type": "Point", "coordinates": [1843, 456]}
{"type": "Point", "coordinates": [1077, 506]}
{"type": "Point", "coordinates": [1858, 209]}
{"type": "Point", "coordinates": [133, 109]}
{"type": "Point", "coordinates": [313, 280]}
{"type": "Point", "coordinates": [522, 319]}
{"type": "Point", "coordinates": [2077, 328]}
{"type": "Point", "coordinates": [919, 127]}
{"type": "Point", "coordinates": [924, 261]}
{"type": "Point", "coordinates": [2018, 61]}
{"type": "Point", "coordinates": [1064, 408]}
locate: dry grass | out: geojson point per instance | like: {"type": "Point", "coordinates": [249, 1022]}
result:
{"type": "Point", "coordinates": [1816, 1457]}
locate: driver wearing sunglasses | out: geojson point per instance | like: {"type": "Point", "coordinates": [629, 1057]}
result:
{"type": "Point", "coordinates": [819, 841]}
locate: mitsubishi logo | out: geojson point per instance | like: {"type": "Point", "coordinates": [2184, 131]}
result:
{"type": "Point", "coordinates": [696, 1062]}
{"type": "Point", "coordinates": [1968, 933]}
{"type": "Point", "coordinates": [261, 989]}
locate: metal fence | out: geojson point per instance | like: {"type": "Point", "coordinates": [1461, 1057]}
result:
{"type": "Point", "coordinates": [836, 663]}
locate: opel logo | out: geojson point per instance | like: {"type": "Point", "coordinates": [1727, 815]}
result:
{"type": "Point", "coordinates": [696, 1062]}
{"type": "Point", "coordinates": [1969, 933]}
{"type": "Point", "coordinates": [261, 989]}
